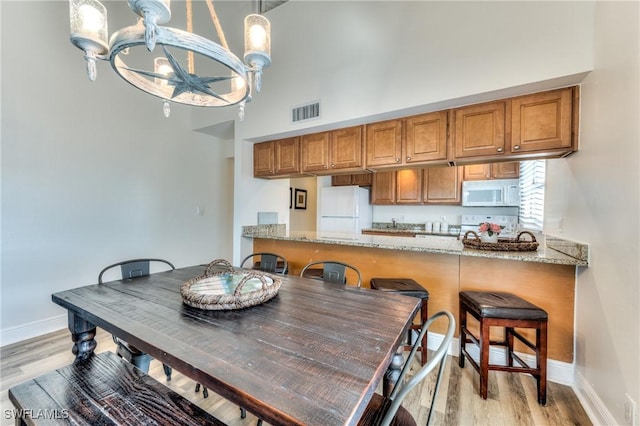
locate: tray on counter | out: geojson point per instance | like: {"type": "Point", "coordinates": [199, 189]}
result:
{"type": "Point", "coordinates": [222, 287]}
{"type": "Point", "coordinates": [503, 244]}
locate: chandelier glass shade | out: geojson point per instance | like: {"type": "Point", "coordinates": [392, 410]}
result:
{"type": "Point", "coordinates": [222, 79]}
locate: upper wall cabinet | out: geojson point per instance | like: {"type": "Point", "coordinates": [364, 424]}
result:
{"type": "Point", "coordinates": [506, 170]}
{"type": "Point", "coordinates": [420, 139]}
{"type": "Point", "coordinates": [479, 130]}
{"type": "Point", "coordinates": [330, 152]}
{"type": "Point", "coordinates": [442, 185]}
{"type": "Point", "coordinates": [279, 158]}
{"type": "Point", "coordinates": [426, 138]}
{"type": "Point", "coordinates": [537, 126]}
{"type": "Point", "coordinates": [431, 185]}
{"type": "Point", "coordinates": [544, 122]}
{"type": "Point", "coordinates": [541, 125]}
{"type": "Point", "coordinates": [383, 143]}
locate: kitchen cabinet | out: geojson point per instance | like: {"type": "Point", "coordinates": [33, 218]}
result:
{"type": "Point", "coordinates": [418, 139]}
{"type": "Point", "coordinates": [503, 170]}
{"type": "Point", "coordinates": [544, 122]}
{"type": "Point", "coordinates": [277, 158]}
{"type": "Point", "coordinates": [361, 179]}
{"type": "Point", "coordinates": [383, 188]}
{"type": "Point", "coordinates": [536, 126]}
{"type": "Point", "coordinates": [409, 186]}
{"type": "Point", "coordinates": [479, 130]}
{"type": "Point", "coordinates": [426, 137]}
{"type": "Point", "coordinates": [442, 185]}
{"type": "Point", "coordinates": [383, 143]}
{"type": "Point", "coordinates": [432, 185]}
{"type": "Point", "coordinates": [328, 152]}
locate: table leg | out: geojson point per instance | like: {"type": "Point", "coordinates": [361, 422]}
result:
{"type": "Point", "coordinates": [82, 334]}
{"type": "Point", "coordinates": [393, 373]}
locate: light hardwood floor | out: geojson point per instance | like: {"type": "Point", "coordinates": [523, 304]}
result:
{"type": "Point", "coordinates": [511, 401]}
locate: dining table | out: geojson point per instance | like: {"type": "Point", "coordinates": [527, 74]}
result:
{"type": "Point", "coordinates": [312, 355]}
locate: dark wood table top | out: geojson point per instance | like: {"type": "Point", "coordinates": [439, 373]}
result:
{"type": "Point", "coordinates": [313, 355]}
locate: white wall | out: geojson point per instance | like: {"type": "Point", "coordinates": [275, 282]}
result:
{"type": "Point", "coordinates": [92, 173]}
{"type": "Point", "coordinates": [596, 193]}
{"type": "Point", "coordinates": [304, 219]}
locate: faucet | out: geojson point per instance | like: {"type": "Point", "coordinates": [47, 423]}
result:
{"type": "Point", "coordinates": [393, 222]}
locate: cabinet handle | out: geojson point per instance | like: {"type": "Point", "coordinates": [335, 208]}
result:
{"type": "Point", "coordinates": [408, 158]}
{"type": "Point", "coordinates": [324, 166]}
{"type": "Point", "coordinates": [397, 160]}
{"type": "Point", "coordinates": [517, 147]}
{"type": "Point", "coordinates": [333, 166]}
{"type": "Point", "coordinates": [499, 149]}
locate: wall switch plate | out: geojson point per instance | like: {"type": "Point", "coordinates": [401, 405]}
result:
{"type": "Point", "coordinates": [630, 414]}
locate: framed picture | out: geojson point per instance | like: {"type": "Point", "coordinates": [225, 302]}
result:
{"type": "Point", "coordinates": [301, 199]}
{"type": "Point", "coordinates": [290, 198]}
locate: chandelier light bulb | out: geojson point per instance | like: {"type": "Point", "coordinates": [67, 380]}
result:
{"type": "Point", "coordinates": [166, 108]}
{"type": "Point", "coordinates": [91, 19]}
{"type": "Point", "coordinates": [258, 37]}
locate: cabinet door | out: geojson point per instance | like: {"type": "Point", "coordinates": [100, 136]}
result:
{"type": "Point", "coordinates": [477, 172]}
{"type": "Point", "coordinates": [363, 179]}
{"type": "Point", "coordinates": [384, 143]}
{"type": "Point", "coordinates": [479, 130]}
{"type": "Point", "coordinates": [409, 186]}
{"type": "Point", "coordinates": [314, 150]}
{"type": "Point", "coordinates": [346, 148]}
{"type": "Point", "coordinates": [341, 180]}
{"type": "Point", "coordinates": [383, 188]}
{"type": "Point", "coordinates": [426, 137]}
{"type": "Point", "coordinates": [287, 154]}
{"type": "Point", "coordinates": [442, 185]}
{"type": "Point", "coordinates": [264, 159]}
{"type": "Point", "coordinates": [542, 121]}
{"type": "Point", "coordinates": [508, 170]}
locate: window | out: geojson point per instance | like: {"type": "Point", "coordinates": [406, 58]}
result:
{"type": "Point", "coordinates": [532, 175]}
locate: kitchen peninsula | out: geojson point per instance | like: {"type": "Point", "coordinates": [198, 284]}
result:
{"type": "Point", "coordinates": [442, 265]}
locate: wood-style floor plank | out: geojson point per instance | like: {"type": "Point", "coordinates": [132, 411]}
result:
{"type": "Point", "coordinates": [512, 398]}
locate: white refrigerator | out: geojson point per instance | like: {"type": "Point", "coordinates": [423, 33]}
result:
{"type": "Point", "coordinates": [343, 212]}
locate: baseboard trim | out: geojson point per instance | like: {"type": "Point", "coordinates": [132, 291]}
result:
{"type": "Point", "coordinates": [32, 329]}
{"type": "Point", "coordinates": [591, 402]}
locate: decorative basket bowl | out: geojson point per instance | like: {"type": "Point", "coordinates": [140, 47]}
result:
{"type": "Point", "coordinates": [223, 288]}
{"type": "Point", "coordinates": [503, 244]}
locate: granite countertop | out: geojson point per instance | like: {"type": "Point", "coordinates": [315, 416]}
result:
{"type": "Point", "coordinates": [550, 250]}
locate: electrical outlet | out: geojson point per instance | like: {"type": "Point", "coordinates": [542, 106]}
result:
{"type": "Point", "coordinates": [630, 411]}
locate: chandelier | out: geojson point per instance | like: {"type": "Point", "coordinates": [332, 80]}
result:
{"type": "Point", "coordinates": [222, 80]}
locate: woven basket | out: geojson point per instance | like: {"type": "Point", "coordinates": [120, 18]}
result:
{"type": "Point", "coordinates": [223, 288]}
{"type": "Point", "coordinates": [503, 244]}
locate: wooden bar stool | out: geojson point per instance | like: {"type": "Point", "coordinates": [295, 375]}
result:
{"type": "Point", "coordinates": [498, 309]}
{"type": "Point", "coordinates": [408, 287]}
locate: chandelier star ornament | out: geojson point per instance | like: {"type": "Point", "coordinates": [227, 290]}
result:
{"type": "Point", "coordinates": [182, 80]}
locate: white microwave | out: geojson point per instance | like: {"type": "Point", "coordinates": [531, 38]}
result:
{"type": "Point", "coordinates": [491, 193]}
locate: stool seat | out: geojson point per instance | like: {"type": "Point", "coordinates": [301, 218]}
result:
{"type": "Point", "coordinates": [404, 286]}
{"type": "Point", "coordinates": [501, 305]}
{"type": "Point", "coordinates": [408, 287]}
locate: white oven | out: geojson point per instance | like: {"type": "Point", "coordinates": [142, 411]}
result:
{"type": "Point", "coordinates": [491, 193]}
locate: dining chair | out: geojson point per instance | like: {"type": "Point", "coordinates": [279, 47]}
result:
{"type": "Point", "coordinates": [267, 262]}
{"type": "Point", "coordinates": [332, 271]}
{"type": "Point", "coordinates": [130, 269]}
{"type": "Point", "coordinates": [384, 411]}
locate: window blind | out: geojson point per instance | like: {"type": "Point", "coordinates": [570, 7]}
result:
{"type": "Point", "coordinates": [532, 174]}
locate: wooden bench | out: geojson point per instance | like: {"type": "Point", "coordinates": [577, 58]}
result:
{"type": "Point", "coordinates": [103, 389]}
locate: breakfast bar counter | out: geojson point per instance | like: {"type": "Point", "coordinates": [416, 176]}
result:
{"type": "Point", "coordinates": [551, 250]}
{"type": "Point", "coordinates": [442, 265]}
